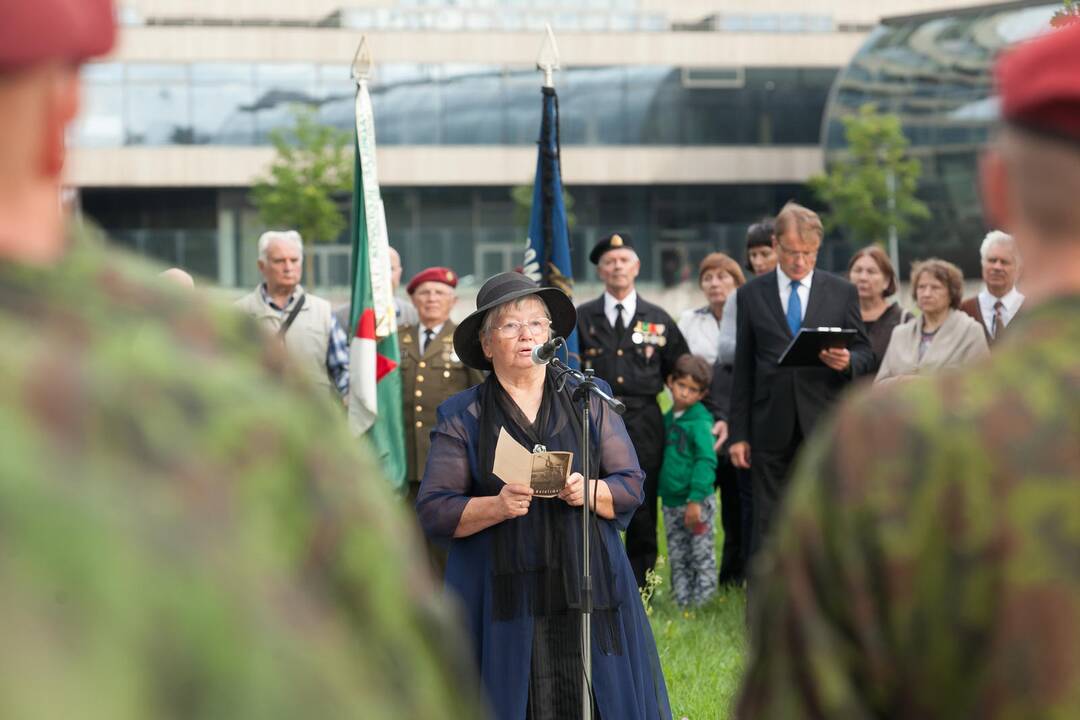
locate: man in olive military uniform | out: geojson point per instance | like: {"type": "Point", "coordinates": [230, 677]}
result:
{"type": "Point", "coordinates": [185, 532]}
{"type": "Point", "coordinates": [633, 345]}
{"type": "Point", "coordinates": [430, 369]}
{"type": "Point", "coordinates": [927, 562]}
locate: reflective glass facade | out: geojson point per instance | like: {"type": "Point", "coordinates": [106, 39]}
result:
{"type": "Point", "coordinates": [934, 72]}
{"type": "Point", "coordinates": [240, 103]}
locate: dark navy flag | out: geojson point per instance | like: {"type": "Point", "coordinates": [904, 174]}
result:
{"type": "Point", "coordinates": [547, 254]}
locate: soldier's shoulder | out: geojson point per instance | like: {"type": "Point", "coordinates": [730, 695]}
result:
{"type": "Point", "coordinates": [170, 411]}
{"type": "Point", "coordinates": [99, 293]}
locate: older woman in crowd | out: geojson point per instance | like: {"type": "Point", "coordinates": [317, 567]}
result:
{"type": "Point", "coordinates": [719, 276]}
{"type": "Point", "coordinates": [943, 337]}
{"type": "Point", "coordinates": [872, 274]}
{"type": "Point", "coordinates": [515, 558]}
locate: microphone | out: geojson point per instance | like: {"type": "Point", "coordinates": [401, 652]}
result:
{"type": "Point", "coordinates": [543, 354]}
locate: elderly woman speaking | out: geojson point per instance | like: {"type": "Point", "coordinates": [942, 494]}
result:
{"type": "Point", "coordinates": [515, 558]}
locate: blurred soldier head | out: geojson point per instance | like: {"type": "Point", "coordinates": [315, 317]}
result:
{"type": "Point", "coordinates": [178, 277]}
{"type": "Point", "coordinates": [797, 235]}
{"type": "Point", "coordinates": [281, 260]}
{"type": "Point", "coordinates": [1000, 263]}
{"type": "Point", "coordinates": [395, 269]}
{"type": "Point", "coordinates": [1031, 174]}
{"type": "Point", "coordinates": [42, 44]}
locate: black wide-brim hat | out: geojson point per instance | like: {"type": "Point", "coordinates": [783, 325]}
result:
{"type": "Point", "coordinates": [503, 288]}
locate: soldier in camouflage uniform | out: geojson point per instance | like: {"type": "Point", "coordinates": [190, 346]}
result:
{"type": "Point", "coordinates": [928, 564]}
{"type": "Point", "coordinates": [177, 541]}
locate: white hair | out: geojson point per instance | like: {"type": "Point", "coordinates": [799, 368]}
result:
{"type": "Point", "coordinates": [272, 236]}
{"type": "Point", "coordinates": [997, 237]}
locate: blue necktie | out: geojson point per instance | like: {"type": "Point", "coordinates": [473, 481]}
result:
{"type": "Point", "coordinates": [794, 308]}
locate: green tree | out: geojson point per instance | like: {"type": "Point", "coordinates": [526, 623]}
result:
{"type": "Point", "coordinates": [522, 195]}
{"type": "Point", "coordinates": [856, 187]}
{"type": "Point", "coordinates": [311, 171]}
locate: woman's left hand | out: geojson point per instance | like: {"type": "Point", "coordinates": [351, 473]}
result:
{"type": "Point", "coordinates": [574, 491]}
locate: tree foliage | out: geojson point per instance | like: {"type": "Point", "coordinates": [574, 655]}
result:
{"type": "Point", "coordinates": [312, 169]}
{"type": "Point", "coordinates": [522, 195]}
{"type": "Point", "coordinates": [856, 186]}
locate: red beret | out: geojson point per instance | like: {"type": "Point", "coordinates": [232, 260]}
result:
{"type": "Point", "coordinates": [33, 31]}
{"type": "Point", "coordinates": [443, 275]}
{"type": "Point", "coordinates": [1039, 83]}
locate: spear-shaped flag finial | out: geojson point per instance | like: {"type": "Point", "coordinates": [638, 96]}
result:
{"type": "Point", "coordinates": [548, 59]}
{"type": "Point", "coordinates": [361, 64]}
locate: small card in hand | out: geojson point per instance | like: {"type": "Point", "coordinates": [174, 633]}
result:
{"type": "Point", "coordinates": [545, 472]}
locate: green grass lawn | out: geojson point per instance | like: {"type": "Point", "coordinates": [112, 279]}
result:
{"type": "Point", "coordinates": [701, 651]}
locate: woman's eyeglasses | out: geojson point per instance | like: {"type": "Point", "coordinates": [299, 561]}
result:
{"type": "Point", "coordinates": [512, 329]}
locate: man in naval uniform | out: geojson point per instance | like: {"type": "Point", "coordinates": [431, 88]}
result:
{"type": "Point", "coordinates": [633, 345]}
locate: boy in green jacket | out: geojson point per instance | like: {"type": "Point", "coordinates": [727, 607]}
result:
{"type": "Point", "coordinates": [686, 484]}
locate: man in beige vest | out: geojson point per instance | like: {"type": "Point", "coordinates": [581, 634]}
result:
{"type": "Point", "coordinates": [302, 321]}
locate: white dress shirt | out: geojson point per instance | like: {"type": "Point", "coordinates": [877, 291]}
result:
{"type": "Point", "coordinates": [784, 284]}
{"type": "Point", "coordinates": [629, 304]}
{"type": "Point", "coordinates": [434, 334]}
{"type": "Point", "coordinates": [1011, 302]}
{"type": "Point", "coordinates": [702, 332]}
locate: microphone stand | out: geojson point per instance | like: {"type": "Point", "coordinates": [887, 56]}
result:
{"type": "Point", "coordinates": [581, 394]}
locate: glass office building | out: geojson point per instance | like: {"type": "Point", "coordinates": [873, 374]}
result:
{"type": "Point", "coordinates": [470, 228]}
{"type": "Point", "coordinates": [686, 122]}
{"type": "Point", "coordinates": [934, 72]}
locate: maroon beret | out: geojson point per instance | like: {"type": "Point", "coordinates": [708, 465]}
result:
{"type": "Point", "coordinates": [33, 31]}
{"type": "Point", "coordinates": [1039, 84]}
{"type": "Point", "coordinates": [443, 275]}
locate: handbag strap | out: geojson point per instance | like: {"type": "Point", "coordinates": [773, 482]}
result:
{"type": "Point", "coordinates": [292, 317]}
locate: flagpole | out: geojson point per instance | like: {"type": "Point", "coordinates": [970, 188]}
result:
{"type": "Point", "coordinates": [548, 62]}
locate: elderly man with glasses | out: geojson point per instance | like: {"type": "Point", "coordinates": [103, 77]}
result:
{"type": "Point", "coordinates": [773, 408]}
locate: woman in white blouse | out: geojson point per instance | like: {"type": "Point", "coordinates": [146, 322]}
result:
{"type": "Point", "coordinates": [718, 277]}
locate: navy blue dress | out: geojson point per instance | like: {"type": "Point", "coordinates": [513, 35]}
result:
{"type": "Point", "coordinates": [629, 684]}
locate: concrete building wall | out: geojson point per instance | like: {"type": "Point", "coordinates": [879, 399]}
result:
{"type": "Point", "coordinates": [201, 166]}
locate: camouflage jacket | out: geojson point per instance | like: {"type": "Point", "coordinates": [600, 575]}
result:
{"type": "Point", "coordinates": [928, 561]}
{"type": "Point", "coordinates": [187, 529]}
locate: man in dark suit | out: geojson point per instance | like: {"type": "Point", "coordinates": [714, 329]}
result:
{"type": "Point", "coordinates": [774, 408]}
{"type": "Point", "coordinates": [633, 345]}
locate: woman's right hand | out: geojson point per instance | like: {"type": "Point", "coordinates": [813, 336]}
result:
{"type": "Point", "coordinates": [514, 500]}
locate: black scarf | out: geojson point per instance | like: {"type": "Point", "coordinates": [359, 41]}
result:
{"type": "Point", "coordinates": [536, 564]}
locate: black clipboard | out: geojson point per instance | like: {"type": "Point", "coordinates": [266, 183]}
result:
{"type": "Point", "coordinates": [803, 350]}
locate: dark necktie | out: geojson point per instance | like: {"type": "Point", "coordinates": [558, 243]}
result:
{"type": "Point", "coordinates": [794, 308]}
{"type": "Point", "coordinates": [620, 326]}
{"type": "Point", "coordinates": [999, 321]}
{"type": "Point", "coordinates": [429, 335]}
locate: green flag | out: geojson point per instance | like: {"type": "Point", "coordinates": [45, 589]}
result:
{"type": "Point", "coordinates": [374, 375]}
